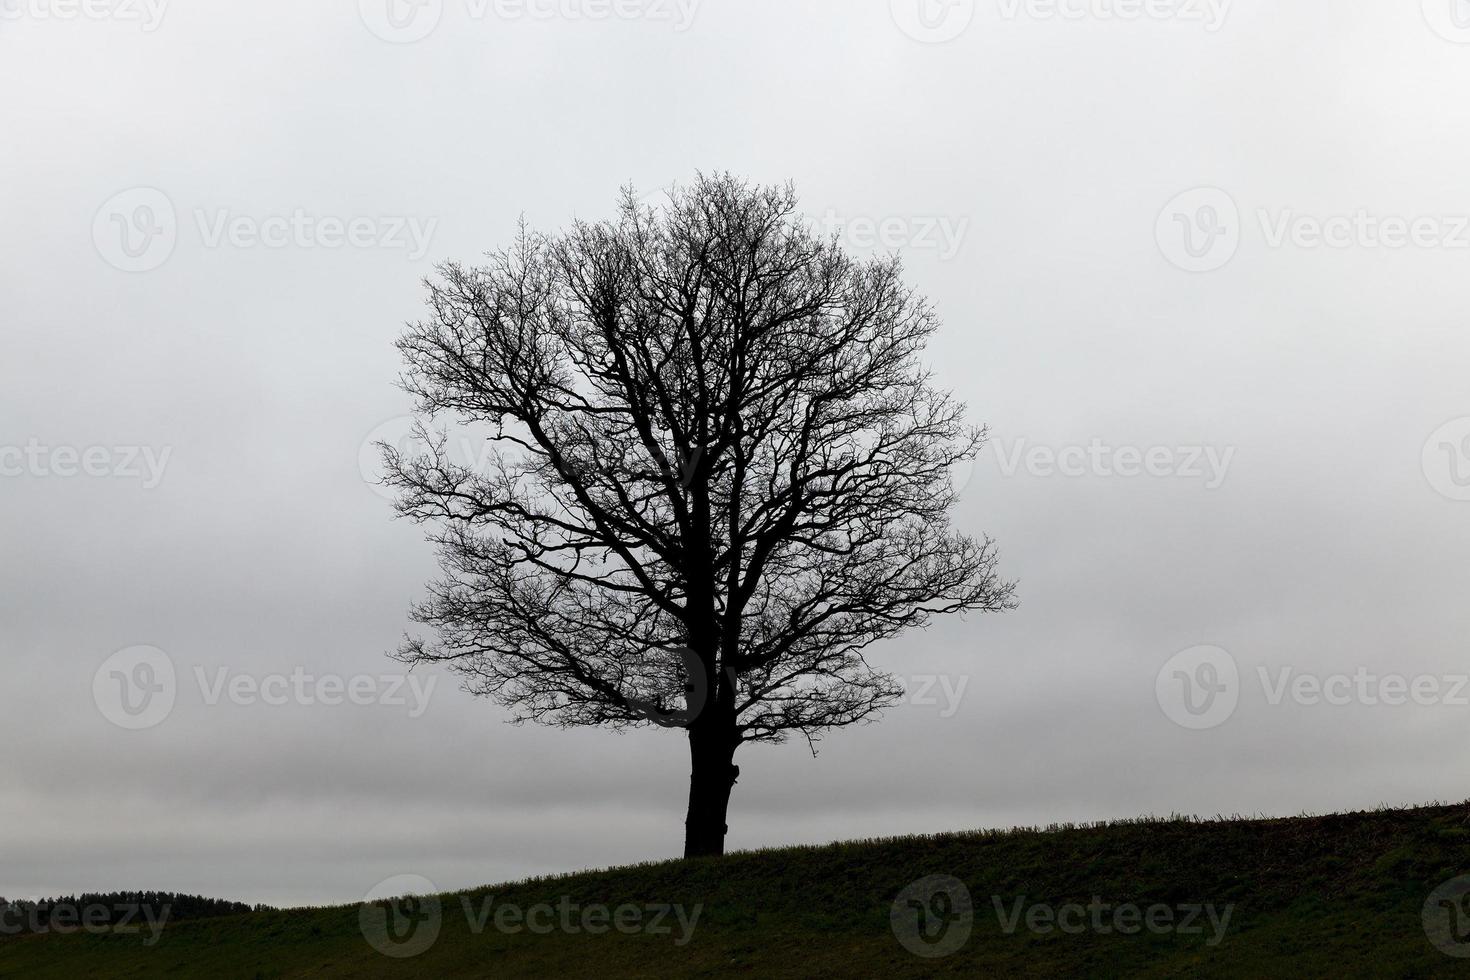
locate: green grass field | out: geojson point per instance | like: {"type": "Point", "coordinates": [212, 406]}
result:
{"type": "Point", "coordinates": [1328, 896]}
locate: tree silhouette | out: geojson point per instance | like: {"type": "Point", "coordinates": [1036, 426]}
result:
{"type": "Point", "coordinates": [715, 473]}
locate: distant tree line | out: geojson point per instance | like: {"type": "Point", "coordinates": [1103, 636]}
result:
{"type": "Point", "coordinates": [24, 916]}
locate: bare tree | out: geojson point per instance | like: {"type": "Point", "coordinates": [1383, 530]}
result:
{"type": "Point", "coordinates": [716, 473]}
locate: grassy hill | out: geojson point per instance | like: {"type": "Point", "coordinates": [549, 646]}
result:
{"type": "Point", "coordinates": [1306, 897]}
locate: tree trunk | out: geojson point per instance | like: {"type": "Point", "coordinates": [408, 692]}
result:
{"type": "Point", "coordinates": [712, 774]}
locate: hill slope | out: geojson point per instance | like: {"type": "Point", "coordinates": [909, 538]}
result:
{"type": "Point", "coordinates": [1310, 896]}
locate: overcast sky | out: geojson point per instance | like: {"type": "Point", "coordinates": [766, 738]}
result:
{"type": "Point", "coordinates": [1202, 267]}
